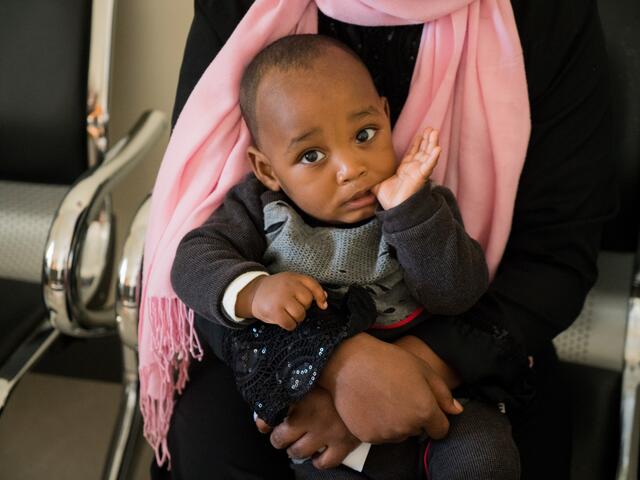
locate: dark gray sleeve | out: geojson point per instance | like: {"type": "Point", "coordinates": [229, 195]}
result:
{"type": "Point", "coordinates": [229, 243]}
{"type": "Point", "coordinates": [444, 268]}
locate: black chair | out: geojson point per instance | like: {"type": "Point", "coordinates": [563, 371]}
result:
{"type": "Point", "coordinates": [602, 348]}
{"type": "Point", "coordinates": [57, 173]}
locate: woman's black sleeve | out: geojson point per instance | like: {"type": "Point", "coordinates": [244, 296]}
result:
{"type": "Point", "coordinates": [564, 197]}
{"type": "Point", "coordinates": [212, 25]}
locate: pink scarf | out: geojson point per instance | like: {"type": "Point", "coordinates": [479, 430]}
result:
{"type": "Point", "coordinates": [468, 81]}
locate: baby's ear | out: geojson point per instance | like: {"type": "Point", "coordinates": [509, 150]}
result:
{"type": "Point", "coordinates": [262, 168]}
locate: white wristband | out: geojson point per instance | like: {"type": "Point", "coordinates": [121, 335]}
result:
{"type": "Point", "coordinates": [231, 293]}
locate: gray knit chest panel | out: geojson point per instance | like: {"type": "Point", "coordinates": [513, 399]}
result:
{"type": "Point", "coordinates": [337, 258]}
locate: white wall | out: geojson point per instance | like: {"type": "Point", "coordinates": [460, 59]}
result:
{"type": "Point", "coordinates": [149, 41]}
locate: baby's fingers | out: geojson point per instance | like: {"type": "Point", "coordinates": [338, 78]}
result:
{"type": "Point", "coordinates": [284, 320]}
{"type": "Point", "coordinates": [427, 166]}
{"type": "Point", "coordinates": [415, 147]}
{"type": "Point", "coordinates": [316, 291]}
{"type": "Point", "coordinates": [296, 311]}
{"type": "Point", "coordinates": [262, 426]}
{"type": "Point", "coordinates": [429, 140]}
{"type": "Point", "coordinates": [424, 140]}
{"type": "Point", "coordinates": [434, 138]}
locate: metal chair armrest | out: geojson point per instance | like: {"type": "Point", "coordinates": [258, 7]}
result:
{"type": "Point", "coordinates": [630, 408]}
{"type": "Point", "coordinates": [69, 228]}
{"type": "Point", "coordinates": [129, 284]}
{"type": "Point", "coordinates": [128, 290]}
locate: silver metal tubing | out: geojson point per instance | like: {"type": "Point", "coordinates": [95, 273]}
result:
{"type": "Point", "coordinates": [24, 357]}
{"type": "Point", "coordinates": [630, 428]}
{"type": "Point", "coordinates": [100, 56]}
{"type": "Point", "coordinates": [97, 257]}
{"type": "Point", "coordinates": [127, 306]}
{"type": "Point", "coordinates": [130, 278]}
{"type": "Point", "coordinates": [69, 228]}
{"type": "Point", "coordinates": [128, 423]}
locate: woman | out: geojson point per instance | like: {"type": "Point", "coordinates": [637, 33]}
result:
{"type": "Point", "coordinates": [549, 264]}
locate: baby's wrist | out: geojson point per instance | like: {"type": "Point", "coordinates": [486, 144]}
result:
{"type": "Point", "coordinates": [246, 298]}
{"type": "Point", "coordinates": [406, 197]}
{"type": "Point", "coordinates": [397, 201]}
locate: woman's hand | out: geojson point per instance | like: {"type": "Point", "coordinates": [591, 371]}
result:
{"type": "Point", "coordinates": [422, 350]}
{"type": "Point", "coordinates": [412, 173]}
{"type": "Point", "coordinates": [313, 424]}
{"type": "Point", "coordinates": [386, 394]}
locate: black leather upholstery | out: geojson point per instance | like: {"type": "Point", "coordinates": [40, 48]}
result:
{"type": "Point", "coordinates": [22, 309]}
{"type": "Point", "coordinates": [595, 400]}
{"type": "Point", "coordinates": [43, 89]}
{"type": "Point", "coordinates": [621, 23]}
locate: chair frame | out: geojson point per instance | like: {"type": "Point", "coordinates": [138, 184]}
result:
{"type": "Point", "coordinates": [70, 311]}
{"type": "Point", "coordinates": [630, 405]}
{"type": "Point", "coordinates": [128, 292]}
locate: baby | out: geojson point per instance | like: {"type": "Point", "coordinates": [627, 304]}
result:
{"type": "Point", "coordinates": [328, 237]}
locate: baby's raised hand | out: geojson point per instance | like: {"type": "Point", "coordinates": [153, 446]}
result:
{"type": "Point", "coordinates": [283, 298]}
{"type": "Point", "coordinates": [412, 173]}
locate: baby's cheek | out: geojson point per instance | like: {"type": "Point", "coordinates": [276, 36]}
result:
{"type": "Point", "coordinates": [387, 166]}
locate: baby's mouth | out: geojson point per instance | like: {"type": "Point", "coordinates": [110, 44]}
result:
{"type": "Point", "coordinates": [360, 199]}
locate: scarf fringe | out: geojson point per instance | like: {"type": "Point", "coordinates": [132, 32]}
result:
{"type": "Point", "coordinates": [174, 343]}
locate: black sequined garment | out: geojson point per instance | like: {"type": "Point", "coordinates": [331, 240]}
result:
{"type": "Point", "coordinates": [275, 368]}
{"type": "Point", "coordinates": [388, 52]}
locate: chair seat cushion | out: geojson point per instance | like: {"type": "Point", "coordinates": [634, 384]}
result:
{"type": "Point", "coordinates": [26, 213]}
{"type": "Point", "coordinates": [22, 309]}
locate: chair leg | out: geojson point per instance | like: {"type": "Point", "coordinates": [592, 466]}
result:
{"type": "Point", "coordinates": [129, 421]}
{"type": "Point", "coordinates": [630, 410]}
{"type": "Point", "coordinates": [24, 357]}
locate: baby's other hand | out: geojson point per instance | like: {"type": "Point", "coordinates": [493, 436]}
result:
{"type": "Point", "coordinates": [412, 173]}
{"type": "Point", "coordinates": [284, 298]}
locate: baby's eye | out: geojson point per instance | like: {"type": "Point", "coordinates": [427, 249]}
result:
{"type": "Point", "coordinates": [312, 156]}
{"type": "Point", "coordinates": [366, 134]}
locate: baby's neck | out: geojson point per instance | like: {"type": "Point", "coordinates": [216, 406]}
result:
{"type": "Point", "coordinates": [316, 223]}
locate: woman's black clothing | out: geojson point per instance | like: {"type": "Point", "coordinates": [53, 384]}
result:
{"type": "Point", "coordinates": [563, 199]}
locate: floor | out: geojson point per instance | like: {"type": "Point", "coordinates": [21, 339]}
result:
{"type": "Point", "coordinates": [58, 422]}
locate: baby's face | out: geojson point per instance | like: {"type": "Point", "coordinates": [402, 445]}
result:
{"type": "Point", "coordinates": [326, 135]}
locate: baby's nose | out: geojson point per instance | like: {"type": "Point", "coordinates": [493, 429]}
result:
{"type": "Point", "coordinates": [350, 169]}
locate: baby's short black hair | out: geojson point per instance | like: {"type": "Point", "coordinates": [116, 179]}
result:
{"type": "Point", "coordinates": [287, 53]}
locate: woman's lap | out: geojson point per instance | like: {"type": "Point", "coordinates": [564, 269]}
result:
{"type": "Point", "coordinates": [212, 433]}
